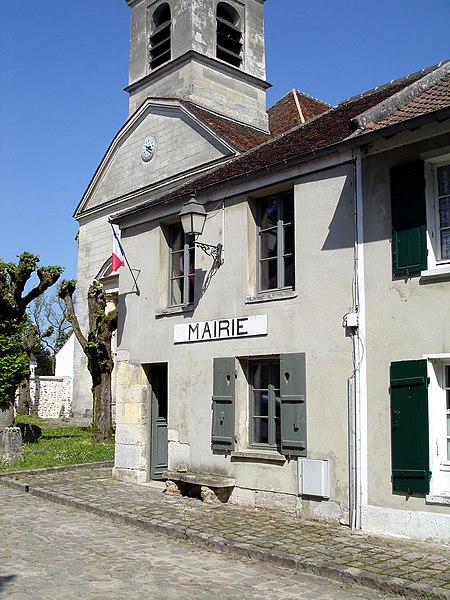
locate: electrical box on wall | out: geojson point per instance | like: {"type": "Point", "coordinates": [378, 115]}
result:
{"type": "Point", "coordinates": [313, 477]}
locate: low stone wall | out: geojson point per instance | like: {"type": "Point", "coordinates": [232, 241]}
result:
{"type": "Point", "coordinates": [51, 396]}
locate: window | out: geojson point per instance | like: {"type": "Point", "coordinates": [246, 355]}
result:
{"type": "Point", "coordinates": [420, 197]}
{"type": "Point", "coordinates": [159, 45]}
{"type": "Point", "coordinates": [438, 214]}
{"type": "Point", "coordinates": [276, 243]}
{"type": "Point", "coordinates": [229, 46]}
{"type": "Point", "coordinates": [439, 416]}
{"type": "Point", "coordinates": [265, 403]}
{"type": "Point", "coordinates": [447, 410]}
{"type": "Point", "coordinates": [420, 423]}
{"type": "Point", "coordinates": [277, 404]}
{"type": "Point", "coordinates": [182, 267]}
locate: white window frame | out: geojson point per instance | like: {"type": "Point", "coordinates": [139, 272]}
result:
{"type": "Point", "coordinates": [437, 411]}
{"type": "Point", "coordinates": [436, 265]}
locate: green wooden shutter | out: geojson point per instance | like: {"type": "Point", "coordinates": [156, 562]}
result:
{"type": "Point", "coordinates": [409, 240]}
{"type": "Point", "coordinates": [409, 424]}
{"type": "Point", "coordinates": [293, 404]}
{"type": "Point", "coordinates": [222, 437]}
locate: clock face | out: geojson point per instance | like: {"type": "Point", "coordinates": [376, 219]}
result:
{"type": "Point", "coordinates": [148, 148]}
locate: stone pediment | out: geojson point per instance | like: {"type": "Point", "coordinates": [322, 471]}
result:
{"type": "Point", "coordinates": [178, 144]}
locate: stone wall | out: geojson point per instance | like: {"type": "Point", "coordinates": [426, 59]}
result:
{"type": "Point", "coordinates": [50, 396]}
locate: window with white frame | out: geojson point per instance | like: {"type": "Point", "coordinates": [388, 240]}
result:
{"type": "Point", "coordinates": [181, 267]}
{"type": "Point", "coordinates": [439, 411]}
{"type": "Point", "coordinates": [276, 247]}
{"type": "Point", "coordinates": [438, 211]}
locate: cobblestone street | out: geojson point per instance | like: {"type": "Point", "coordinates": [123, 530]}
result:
{"type": "Point", "coordinates": [61, 547]}
{"type": "Point", "coordinates": [51, 551]}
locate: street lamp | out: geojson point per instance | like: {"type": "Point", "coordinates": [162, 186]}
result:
{"type": "Point", "coordinates": [193, 217]}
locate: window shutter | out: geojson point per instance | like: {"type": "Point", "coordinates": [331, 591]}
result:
{"type": "Point", "coordinates": [222, 437]}
{"type": "Point", "coordinates": [293, 404]}
{"type": "Point", "coordinates": [409, 424]}
{"type": "Point", "coordinates": [409, 244]}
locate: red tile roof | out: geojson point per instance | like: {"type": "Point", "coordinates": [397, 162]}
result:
{"type": "Point", "coordinates": [320, 132]}
{"type": "Point", "coordinates": [241, 136]}
{"type": "Point", "coordinates": [294, 109]}
{"type": "Point", "coordinates": [434, 98]}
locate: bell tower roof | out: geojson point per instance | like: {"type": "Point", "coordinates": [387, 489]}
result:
{"type": "Point", "coordinates": [210, 52]}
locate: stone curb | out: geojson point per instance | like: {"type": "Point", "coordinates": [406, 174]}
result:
{"type": "Point", "coordinates": [386, 584]}
{"type": "Point", "coordinates": [62, 468]}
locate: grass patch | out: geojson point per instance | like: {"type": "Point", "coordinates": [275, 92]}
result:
{"type": "Point", "coordinates": [61, 446]}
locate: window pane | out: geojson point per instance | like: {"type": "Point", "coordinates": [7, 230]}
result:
{"type": "Point", "coordinates": [278, 432]}
{"type": "Point", "coordinates": [445, 244]}
{"type": "Point", "coordinates": [444, 180]}
{"type": "Point", "coordinates": [260, 376]}
{"type": "Point", "coordinates": [177, 264]}
{"type": "Point", "coordinates": [269, 274]}
{"type": "Point", "coordinates": [269, 213]}
{"type": "Point", "coordinates": [261, 430]}
{"type": "Point", "coordinates": [289, 271]}
{"type": "Point", "coordinates": [268, 243]}
{"type": "Point", "coordinates": [288, 210]}
{"type": "Point", "coordinates": [444, 211]}
{"type": "Point", "coordinates": [289, 239]}
{"type": "Point", "coordinates": [261, 400]}
{"type": "Point", "coordinates": [177, 239]}
{"type": "Point", "coordinates": [177, 291]}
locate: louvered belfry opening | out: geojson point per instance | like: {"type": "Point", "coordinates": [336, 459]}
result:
{"type": "Point", "coordinates": [160, 37]}
{"type": "Point", "coordinates": [229, 35]}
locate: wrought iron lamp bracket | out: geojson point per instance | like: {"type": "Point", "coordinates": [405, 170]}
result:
{"type": "Point", "coordinates": [214, 251]}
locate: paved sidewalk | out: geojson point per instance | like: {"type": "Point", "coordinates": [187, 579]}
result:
{"type": "Point", "coordinates": [413, 569]}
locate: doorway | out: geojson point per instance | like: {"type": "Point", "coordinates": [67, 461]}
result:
{"type": "Point", "coordinates": [158, 420]}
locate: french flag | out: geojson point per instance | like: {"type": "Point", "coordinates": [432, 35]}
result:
{"type": "Point", "coordinates": [118, 255]}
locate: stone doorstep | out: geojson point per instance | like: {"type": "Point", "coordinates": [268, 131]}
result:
{"type": "Point", "coordinates": [206, 479]}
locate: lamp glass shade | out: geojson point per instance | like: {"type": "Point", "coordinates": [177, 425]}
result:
{"type": "Point", "coordinates": [193, 217]}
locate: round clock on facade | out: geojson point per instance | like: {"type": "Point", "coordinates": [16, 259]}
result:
{"type": "Point", "coordinates": [148, 148]}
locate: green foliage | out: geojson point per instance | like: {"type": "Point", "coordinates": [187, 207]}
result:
{"type": "Point", "coordinates": [45, 361]}
{"type": "Point", "coordinates": [61, 446]}
{"type": "Point", "coordinates": [14, 364]}
{"type": "Point", "coordinates": [15, 331]}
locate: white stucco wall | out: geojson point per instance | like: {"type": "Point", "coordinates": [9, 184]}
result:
{"type": "Point", "coordinates": [309, 321]}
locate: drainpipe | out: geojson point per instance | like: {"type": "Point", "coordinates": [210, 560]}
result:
{"type": "Point", "coordinates": [359, 358]}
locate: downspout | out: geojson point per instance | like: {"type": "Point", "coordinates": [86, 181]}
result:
{"type": "Point", "coordinates": [359, 358]}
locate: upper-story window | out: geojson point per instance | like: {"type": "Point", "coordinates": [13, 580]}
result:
{"type": "Point", "coordinates": [276, 247]}
{"type": "Point", "coordinates": [159, 43]}
{"type": "Point", "coordinates": [229, 35]}
{"type": "Point", "coordinates": [442, 211]}
{"type": "Point", "coordinates": [420, 202]}
{"type": "Point", "coordinates": [181, 267]}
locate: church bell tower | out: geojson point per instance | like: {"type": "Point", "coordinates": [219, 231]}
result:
{"type": "Point", "coordinates": [210, 52]}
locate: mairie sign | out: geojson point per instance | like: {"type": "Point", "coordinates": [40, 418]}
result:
{"type": "Point", "coordinates": [221, 329]}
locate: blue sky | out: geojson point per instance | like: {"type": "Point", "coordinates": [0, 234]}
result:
{"type": "Point", "coordinates": [63, 67]}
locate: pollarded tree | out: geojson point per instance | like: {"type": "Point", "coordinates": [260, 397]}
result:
{"type": "Point", "coordinates": [97, 348]}
{"type": "Point", "coordinates": [14, 301]}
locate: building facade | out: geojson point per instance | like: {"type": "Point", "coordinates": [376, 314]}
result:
{"type": "Point", "coordinates": [297, 352]}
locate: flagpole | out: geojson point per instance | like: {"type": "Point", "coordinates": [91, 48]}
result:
{"type": "Point", "coordinates": [126, 260]}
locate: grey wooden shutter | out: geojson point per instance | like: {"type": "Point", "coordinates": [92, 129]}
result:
{"type": "Point", "coordinates": [409, 239]}
{"type": "Point", "coordinates": [409, 425]}
{"type": "Point", "coordinates": [293, 404]}
{"type": "Point", "coordinates": [222, 437]}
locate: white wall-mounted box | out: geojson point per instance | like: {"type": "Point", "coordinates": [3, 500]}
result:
{"type": "Point", "coordinates": [313, 477]}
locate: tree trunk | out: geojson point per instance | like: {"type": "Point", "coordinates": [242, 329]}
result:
{"type": "Point", "coordinates": [7, 412]}
{"type": "Point", "coordinates": [24, 398]}
{"type": "Point", "coordinates": [101, 420]}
